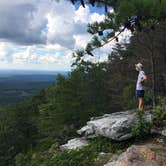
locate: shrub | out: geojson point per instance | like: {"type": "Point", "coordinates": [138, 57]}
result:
{"type": "Point", "coordinates": [142, 128]}
{"type": "Point", "coordinates": [159, 114]}
{"type": "Point", "coordinates": [88, 154]}
{"type": "Point", "coordinates": [83, 157]}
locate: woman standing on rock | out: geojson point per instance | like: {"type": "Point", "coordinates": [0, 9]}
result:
{"type": "Point", "coordinates": [140, 89]}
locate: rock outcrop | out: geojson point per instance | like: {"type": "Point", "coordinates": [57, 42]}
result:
{"type": "Point", "coordinates": [117, 126]}
{"type": "Point", "coordinates": [141, 155]}
{"type": "Point", "coordinates": [75, 143]}
{"type": "Point", "coordinates": [160, 131]}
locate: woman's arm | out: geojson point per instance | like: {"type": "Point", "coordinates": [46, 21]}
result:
{"type": "Point", "coordinates": [143, 78]}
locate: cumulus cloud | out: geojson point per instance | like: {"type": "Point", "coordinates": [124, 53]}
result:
{"type": "Point", "coordinates": [67, 28]}
{"type": "Point", "coordinates": [21, 21]}
{"type": "Point", "coordinates": [85, 16]}
{"type": "Point", "coordinates": [44, 22]}
{"type": "Point", "coordinates": [44, 33]}
{"type": "Point", "coordinates": [3, 52]}
{"type": "Point", "coordinates": [34, 57]}
{"type": "Point", "coordinates": [26, 56]}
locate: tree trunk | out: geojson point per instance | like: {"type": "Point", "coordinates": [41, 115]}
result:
{"type": "Point", "coordinates": [153, 79]}
{"type": "Point", "coordinates": [164, 52]}
{"type": "Point", "coordinates": [153, 71]}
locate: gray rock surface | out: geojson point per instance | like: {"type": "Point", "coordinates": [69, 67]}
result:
{"type": "Point", "coordinates": [117, 126]}
{"type": "Point", "coordinates": [75, 143]}
{"type": "Point", "coordinates": [161, 131]}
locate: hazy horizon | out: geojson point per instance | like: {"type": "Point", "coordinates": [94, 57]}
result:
{"type": "Point", "coordinates": [34, 70]}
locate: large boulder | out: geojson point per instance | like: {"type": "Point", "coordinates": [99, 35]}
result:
{"type": "Point", "coordinates": [141, 155]}
{"type": "Point", "coordinates": [117, 126]}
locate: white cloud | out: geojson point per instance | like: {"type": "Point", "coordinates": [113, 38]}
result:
{"type": "Point", "coordinates": [42, 34]}
{"type": "Point", "coordinates": [81, 40]}
{"type": "Point", "coordinates": [65, 27]}
{"type": "Point", "coordinates": [41, 22]}
{"type": "Point", "coordinates": [22, 21]}
{"type": "Point", "coordinates": [24, 57]}
{"type": "Point", "coordinates": [3, 51]}
{"type": "Point", "coordinates": [124, 37]}
{"type": "Point", "coordinates": [85, 16]}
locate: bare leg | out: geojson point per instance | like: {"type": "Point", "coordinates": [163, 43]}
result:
{"type": "Point", "coordinates": [141, 104]}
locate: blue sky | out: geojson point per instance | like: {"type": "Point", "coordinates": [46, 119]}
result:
{"type": "Point", "coordinates": [42, 35]}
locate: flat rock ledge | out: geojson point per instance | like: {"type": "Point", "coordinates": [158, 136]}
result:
{"type": "Point", "coordinates": [117, 126]}
{"type": "Point", "coordinates": [75, 143]}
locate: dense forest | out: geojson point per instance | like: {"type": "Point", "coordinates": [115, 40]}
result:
{"type": "Point", "coordinates": [17, 86]}
{"type": "Point", "coordinates": [30, 132]}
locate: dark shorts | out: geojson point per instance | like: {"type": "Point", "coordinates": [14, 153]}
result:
{"type": "Point", "coordinates": [140, 93]}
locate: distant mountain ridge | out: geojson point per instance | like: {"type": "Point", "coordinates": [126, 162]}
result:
{"type": "Point", "coordinates": [30, 72]}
